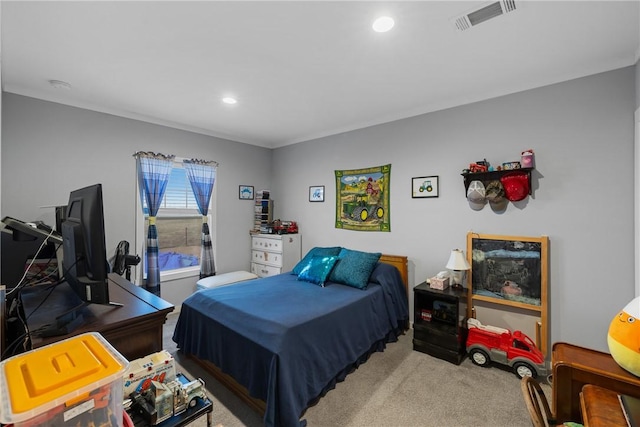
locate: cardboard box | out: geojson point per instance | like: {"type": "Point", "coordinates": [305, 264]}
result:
{"type": "Point", "coordinates": [438, 283]}
{"type": "Point", "coordinates": [77, 381]}
{"type": "Point", "coordinates": [158, 367]}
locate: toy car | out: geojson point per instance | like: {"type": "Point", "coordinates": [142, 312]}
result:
{"type": "Point", "coordinates": [476, 167]}
{"type": "Point", "coordinates": [164, 400]}
{"type": "Point", "coordinates": [284, 227]}
{"type": "Point", "coordinates": [490, 343]}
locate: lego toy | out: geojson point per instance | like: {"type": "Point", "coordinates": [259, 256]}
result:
{"type": "Point", "coordinates": [161, 401]}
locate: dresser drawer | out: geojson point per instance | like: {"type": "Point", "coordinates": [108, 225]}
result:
{"type": "Point", "coordinates": [263, 270]}
{"type": "Point", "coordinates": [266, 257]}
{"type": "Point", "coordinates": [265, 243]}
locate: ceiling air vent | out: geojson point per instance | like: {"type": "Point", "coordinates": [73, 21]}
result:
{"type": "Point", "coordinates": [477, 16]}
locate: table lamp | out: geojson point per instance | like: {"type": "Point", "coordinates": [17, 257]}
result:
{"type": "Point", "coordinates": [457, 264]}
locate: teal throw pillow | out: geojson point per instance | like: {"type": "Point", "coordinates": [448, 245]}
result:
{"type": "Point", "coordinates": [317, 251]}
{"type": "Point", "coordinates": [354, 268]}
{"type": "Point", "coordinates": [317, 269]}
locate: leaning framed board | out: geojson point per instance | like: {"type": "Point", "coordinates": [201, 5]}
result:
{"type": "Point", "coordinates": [511, 273]}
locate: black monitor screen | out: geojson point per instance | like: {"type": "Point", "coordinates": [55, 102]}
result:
{"type": "Point", "coordinates": [84, 251]}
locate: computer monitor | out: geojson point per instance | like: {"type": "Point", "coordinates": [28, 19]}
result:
{"type": "Point", "coordinates": [21, 242]}
{"type": "Point", "coordinates": [84, 251]}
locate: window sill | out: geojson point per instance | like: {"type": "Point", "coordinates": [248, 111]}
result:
{"type": "Point", "coordinates": [182, 273]}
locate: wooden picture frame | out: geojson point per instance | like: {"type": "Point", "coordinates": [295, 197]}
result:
{"type": "Point", "coordinates": [424, 187]}
{"type": "Point", "coordinates": [510, 271]}
{"type": "Point", "coordinates": [245, 192]}
{"type": "Point", "coordinates": [316, 193]}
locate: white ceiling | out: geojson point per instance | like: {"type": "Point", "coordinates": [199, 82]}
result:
{"type": "Point", "coordinates": [299, 69]}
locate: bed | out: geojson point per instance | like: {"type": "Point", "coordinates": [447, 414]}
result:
{"type": "Point", "coordinates": [282, 343]}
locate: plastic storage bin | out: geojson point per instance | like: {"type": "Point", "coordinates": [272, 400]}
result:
{"type": "Point", "coordinates": [77, 381]}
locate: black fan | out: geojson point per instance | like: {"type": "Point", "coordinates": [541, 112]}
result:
{"type": "Point", "coordinates": [124, 261]}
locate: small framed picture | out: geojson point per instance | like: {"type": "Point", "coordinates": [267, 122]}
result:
{"type": "Point", "coordinates": [316, 193]}
{"type": "Point", "coordinates": [246, 192]}
{"type": "Point", "coordinates": [424, 186]}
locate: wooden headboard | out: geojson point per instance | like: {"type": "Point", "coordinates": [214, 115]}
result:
{"type": "Point", "coordinates": [399, 262]}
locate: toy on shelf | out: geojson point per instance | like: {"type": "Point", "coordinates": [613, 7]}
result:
{"type": "Point", "coordinates": [283, 227]}
{"type": "Point", "coordinates": [478, 167]}
{"type": "Point", "coordinates": [526, 159]}
{"type": "Point", "coordinates": [486, 344]}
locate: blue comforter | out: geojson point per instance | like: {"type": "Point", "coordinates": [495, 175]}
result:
{"type": "Point", "coordinates": [289, 341]}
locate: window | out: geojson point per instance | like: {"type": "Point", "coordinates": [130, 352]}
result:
{"type": "Point", "coordinates": [179, 227]}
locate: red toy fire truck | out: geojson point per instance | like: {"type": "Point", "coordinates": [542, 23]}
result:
{"type": "Point", "coordinates": [516, 350]}
{"type": "Point", "coordinates": [284, 227]}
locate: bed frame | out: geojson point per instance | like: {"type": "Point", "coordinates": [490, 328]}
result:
{"type": "Point", "coordinates": [259, 405]}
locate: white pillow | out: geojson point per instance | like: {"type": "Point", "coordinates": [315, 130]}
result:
{"type": "Point", "coordinates": [225, 279]}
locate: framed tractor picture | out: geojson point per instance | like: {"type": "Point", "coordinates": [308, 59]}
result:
{"type": "Point", "coordinates": [424, 186]}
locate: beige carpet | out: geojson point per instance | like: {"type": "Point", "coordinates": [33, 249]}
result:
{"type": "Point", "coordinates": [397, 387]}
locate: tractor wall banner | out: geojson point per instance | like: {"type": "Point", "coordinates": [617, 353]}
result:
{"type": "Point", "coordinates": [362, 199]}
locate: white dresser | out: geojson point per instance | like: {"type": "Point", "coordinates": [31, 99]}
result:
{"type": "Point", "coordinates": [274, 254]}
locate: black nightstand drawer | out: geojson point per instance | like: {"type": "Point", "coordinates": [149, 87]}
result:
{"type": "Point", "coordinates": [435, 336]}
{"type": "Point", "coordinates": [438, 351]}
{"type": "Point", "coordinates": [434, 325]}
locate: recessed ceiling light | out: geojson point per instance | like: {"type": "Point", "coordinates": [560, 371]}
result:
{"type": "Point", "coordinates": [59, 84]}
{"type": "Point", "coordinates": [229, 100]}
{"type": "Point", "coordinates": [383, 24]}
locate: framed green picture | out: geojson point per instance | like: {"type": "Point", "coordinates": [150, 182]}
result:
{"type": "Point", "coordinates": [362, 199]}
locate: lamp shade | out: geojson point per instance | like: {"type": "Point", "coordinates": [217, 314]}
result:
{"type": "Point", "coordinates": [457, 261]}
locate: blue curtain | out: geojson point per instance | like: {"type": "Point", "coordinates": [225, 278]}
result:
{"type": "Point", "coordinates": [202, 176]}
{"type": "Point", "coordinates": [153, 176]}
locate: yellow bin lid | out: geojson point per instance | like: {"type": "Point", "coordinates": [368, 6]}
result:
{"type": "Point", "coordinates": [41, 379]}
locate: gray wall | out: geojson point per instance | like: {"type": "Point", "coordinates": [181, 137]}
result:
{"type": "Point", "coordinates": [637, 86]}
{"type": "Point", "coordinates": [637, 179]}
{"type": "Point", "coordinates": [581, 131]}
{"type": "Point", "coordinates": [49, 149]}
{"type": "Point", "coordinates": [583, 191]}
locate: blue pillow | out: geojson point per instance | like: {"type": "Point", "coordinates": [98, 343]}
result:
{"type": "Point", "coordinates": [317, 251]}
{"type": "Point", "coordinates": [317, 269]}
{"type": "Point", "coordinates": [354, 268]}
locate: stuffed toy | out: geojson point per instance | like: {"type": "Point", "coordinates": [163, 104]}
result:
{"type": "Point", "coordinates": [624, 337]}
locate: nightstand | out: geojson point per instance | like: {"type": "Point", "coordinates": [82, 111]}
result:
{"type": "Point", "coordinates": [439, 327]}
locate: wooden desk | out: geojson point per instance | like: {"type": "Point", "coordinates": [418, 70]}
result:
{"type": "Point", "coordinates": [601, 407]}
{"type": "Point", "coordinates": [574, 367]}
{"type": "Point", "coordinates": [135, 329]}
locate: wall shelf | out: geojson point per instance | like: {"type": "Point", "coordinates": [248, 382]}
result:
{"type": "Point", "coordinates": [487, 177]}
